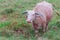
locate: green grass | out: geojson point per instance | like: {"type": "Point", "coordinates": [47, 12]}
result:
{"type": "Point", "coordinates": [17, 20]}
{"type": "Point", "coordinates": [6, 23]}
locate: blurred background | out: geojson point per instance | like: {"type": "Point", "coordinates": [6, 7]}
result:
{"type": "Point", "coordinates": [13, 25]}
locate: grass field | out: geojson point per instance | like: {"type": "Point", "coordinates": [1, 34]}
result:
{"type": "Point", "coordinates": [12, 19]}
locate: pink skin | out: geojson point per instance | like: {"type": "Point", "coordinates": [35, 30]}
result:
{"type": "Point", "coordinates": [44, 9]}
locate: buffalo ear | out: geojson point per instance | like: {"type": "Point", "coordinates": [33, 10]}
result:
{"type": "Point", "coordinates": [36, 14]}
{"type": "Point", "coordinates": [25, 12]}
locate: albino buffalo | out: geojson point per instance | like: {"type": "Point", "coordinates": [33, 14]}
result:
{"type": "Point", "coordinates": [40, 16]}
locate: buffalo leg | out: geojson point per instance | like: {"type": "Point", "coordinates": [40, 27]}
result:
{"type": "Point", "coordinates": [36, 30]}
{"type": "Point", "coordinates": [44, 27]}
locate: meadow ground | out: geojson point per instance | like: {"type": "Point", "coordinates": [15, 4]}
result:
{"type": "Point", "coordinates": [12, 19]}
